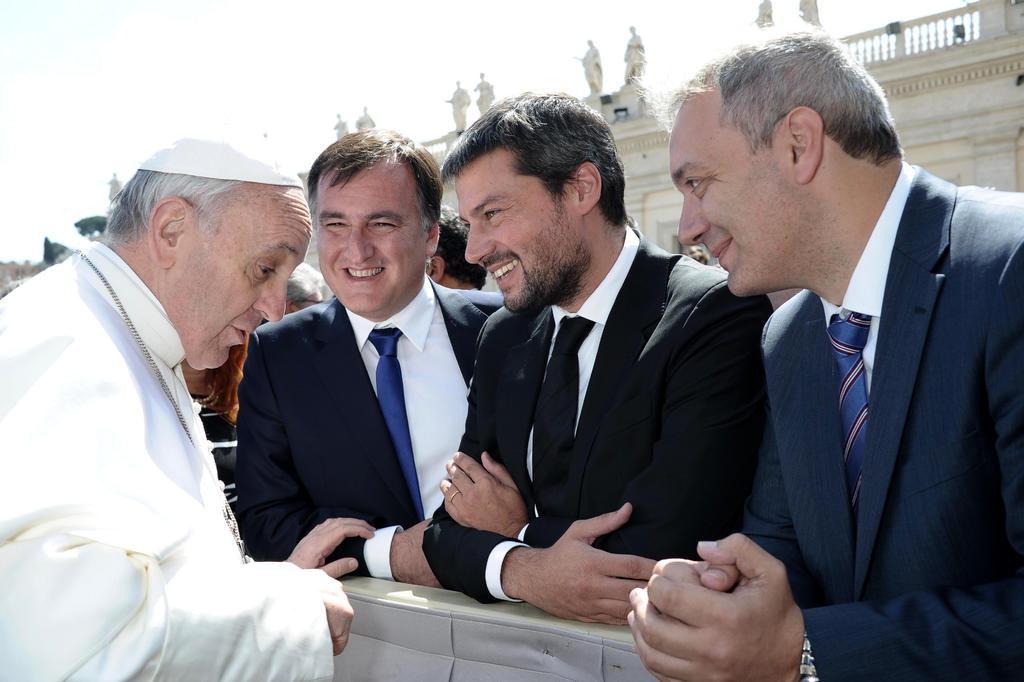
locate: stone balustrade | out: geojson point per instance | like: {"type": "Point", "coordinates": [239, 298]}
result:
{"type": "Point", "coordinates": [909, 38]}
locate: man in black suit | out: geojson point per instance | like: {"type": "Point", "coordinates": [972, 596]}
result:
{"type": "Point", "coordinates": [350, 408]}
{"type": "Point", "coordinates": [620, 382]}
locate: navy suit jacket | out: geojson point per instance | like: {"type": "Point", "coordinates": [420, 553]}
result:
{"type": "Point", "coordinates": [671, 421]}
{"type": "Point", "coordinates": [312, 442]}
{"type": "Point", "coordinates": [929, 581]}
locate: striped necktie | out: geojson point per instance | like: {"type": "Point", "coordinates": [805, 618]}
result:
{"type": "Point", "coordinates": [848, 338]}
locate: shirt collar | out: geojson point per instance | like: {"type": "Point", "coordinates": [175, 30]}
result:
{"type": "Point", "coordinates": [866, 290]}
{"type": "Point", "coordinates": [140, 304]}
{"type": "Point", "coordinates": [599, 304]}
{"type": "Point", "coordinates": [414, 319]}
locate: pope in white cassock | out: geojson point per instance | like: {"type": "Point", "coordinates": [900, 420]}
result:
{"type": "Point", "coordinates": [118, 556]}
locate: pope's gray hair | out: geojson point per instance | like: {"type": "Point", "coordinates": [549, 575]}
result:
{"type": "Point", "coordinates": [131, 209]}
{"type": "Point", "coordinates": [760, 83]}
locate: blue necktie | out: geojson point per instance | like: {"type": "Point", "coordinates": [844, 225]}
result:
{"type": "Point", "coordinates": [848, 338]}
{"type": "Point", "coordinates": [391, 396]}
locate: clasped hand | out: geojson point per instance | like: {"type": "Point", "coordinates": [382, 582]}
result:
{"type": "Point", "coordinates": [730, 617]}
{"type": "Point", "coordinates": [483, 496]}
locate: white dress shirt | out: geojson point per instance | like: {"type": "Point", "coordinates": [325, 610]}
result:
{"type": "Point", "coordinates": [596, 308]}
{"type": "Point", "coordinates": [435, 402]}
{"type": "Point", "coordinates": [866, 290]}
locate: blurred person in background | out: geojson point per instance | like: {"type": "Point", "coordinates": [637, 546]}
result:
{"type": "Point", "coordinates": [305, 288]}
{"type": "Point", "coordinates": [216, 391]}
{"type": "Point", "coordinates": [449, 267]}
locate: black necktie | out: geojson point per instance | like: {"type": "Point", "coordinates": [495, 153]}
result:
{"type": "Point", "coordinates": [554, 421]}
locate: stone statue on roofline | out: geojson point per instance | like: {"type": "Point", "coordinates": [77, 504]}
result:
{"type": "Point", "coordinates": [341, 127]}
{"type": "Point", "coordinates": [809, 12]}
{"type": "Point", "coordinates": [460, 105]}
{"type": "Point", "coordinates": [365, 122]}
{"type": "Point", "coordinates": [592, 68]}
{"type": "Point", "coordinates": [115, 187]}
{"type": "Point", "coordinates": [634, 58]}
{"type": "Point", "coordinates": [486, 97]}
{"type": "Point", "coordinates": [764, 14]}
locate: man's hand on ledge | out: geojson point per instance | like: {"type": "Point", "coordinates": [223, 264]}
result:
{"type": "Point", "coordinates": [571, 579]}
{"type": "Point", "coordinates": [313, 550]}
{"type": "Point", "coordinates": [408, 564]}
{"type": "Point", "coordinates": [483, 497]}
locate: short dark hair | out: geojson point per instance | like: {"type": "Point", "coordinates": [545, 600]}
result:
{"type": "Point", "coordinates": [549, 135]}
{"type": "Point", "coordinates": [451, 247]}
{"type": "Point", "coordinates": [359, 151]}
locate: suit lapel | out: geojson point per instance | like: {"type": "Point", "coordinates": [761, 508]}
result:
{"type": "Point", "coordinates": [518, 390]}
{"type": "Point", "coordinates": [463, 320]}
{"type": "Point", "coordinates": [804, 402]}
{"type": "Point", "coordinates": [340, 366]}
{"type": "Point", "coordinates": [633, 317]}
{"type": "Point", "coordinates": [911, 291]}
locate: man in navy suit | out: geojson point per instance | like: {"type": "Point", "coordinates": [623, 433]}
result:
{"type": "Point", "coordinates": [350, 408]}
{"type": "Point", "coordinates": [890, 484]}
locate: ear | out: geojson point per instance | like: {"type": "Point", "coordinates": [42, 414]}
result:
{"type": "Point", "coordinates": [583, 191]}
{"type": "Point", "coordinates": [435, 268]}
{"type": "Point", "coordinates": [432, 236]}
{"type": "Point", "coordinates": [170, 222]}
{"type": "Point", "coordinates": [800, 141]}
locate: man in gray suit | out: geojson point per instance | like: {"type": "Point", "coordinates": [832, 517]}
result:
{"type": "Point", "coordinates": [890, 486]}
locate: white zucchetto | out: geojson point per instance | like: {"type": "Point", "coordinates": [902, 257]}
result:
{"type": "Point", "coordinates": [218, 160]}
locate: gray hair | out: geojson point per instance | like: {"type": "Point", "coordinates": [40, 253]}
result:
{"type": "Point", "coordinates": [304, 281]}
{"type": "Point", "coordinates": [130, 210]}
{"type": "Point", "coordinates": [760, 83]}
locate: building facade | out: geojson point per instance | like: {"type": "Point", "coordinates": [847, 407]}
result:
{"type": "Point", "coordinates": [955, 84]}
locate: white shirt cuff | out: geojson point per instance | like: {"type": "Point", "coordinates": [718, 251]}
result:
{"type": "Point", "coordinates": [493, 571]}
{"type": "Point", "coordinates": [522, 533]}
{"type": "Point", "coordinates": [377, 552]}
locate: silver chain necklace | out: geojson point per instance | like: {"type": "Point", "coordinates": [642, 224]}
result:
{"type": "Point", "coordinates": [229, 516]}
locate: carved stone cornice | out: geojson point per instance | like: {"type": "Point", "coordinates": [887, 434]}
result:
{"type": "Point", "coordinates": [961, 75]}
{"type": "Point", "coordinates": [646, 141]}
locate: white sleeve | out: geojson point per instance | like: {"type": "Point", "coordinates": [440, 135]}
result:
{"type": "Point", "coordinates": [119, 616]}
{"type": "Point", "coordinates": [493, 570]}
{"type": "Point", "coordinates": [377, 552]}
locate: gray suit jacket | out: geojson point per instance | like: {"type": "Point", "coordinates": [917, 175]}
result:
{"type": "Point", "coordinates": [929, 582]}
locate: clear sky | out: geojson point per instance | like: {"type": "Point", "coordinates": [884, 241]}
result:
{"type": "Point", "coordinates": [88, 89]}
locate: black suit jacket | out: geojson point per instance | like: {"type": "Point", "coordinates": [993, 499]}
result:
{"type": "Point", "coordinates": [671, 421]}
{"type": "Point", "coordinates": [312, 442]}
{"type": "Point", "coordinates": [929, 582]}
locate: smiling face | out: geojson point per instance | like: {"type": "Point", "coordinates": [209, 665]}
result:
{"type": "Point", "coordinates": [735, 202]}
{"type": "Point", "coordinates": [519, 232]}
{"type": "Point", "coordinates": [372, 245]}
{"type": "Point", "coordinates": [235, 276]}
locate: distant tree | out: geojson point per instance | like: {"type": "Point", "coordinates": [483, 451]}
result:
{"type": "Point", "coordinates": [91, 227]}
{"type": "Point", "coordinates": [54, 252]}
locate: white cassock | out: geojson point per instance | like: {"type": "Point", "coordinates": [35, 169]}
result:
{"type": "Point", "coordinates": [115, 559]}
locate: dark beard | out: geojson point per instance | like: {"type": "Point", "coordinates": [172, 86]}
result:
{"type": "Point", "coordinates": [556, 275]}
{"type": "Point", "coordinates": [553, 283]}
